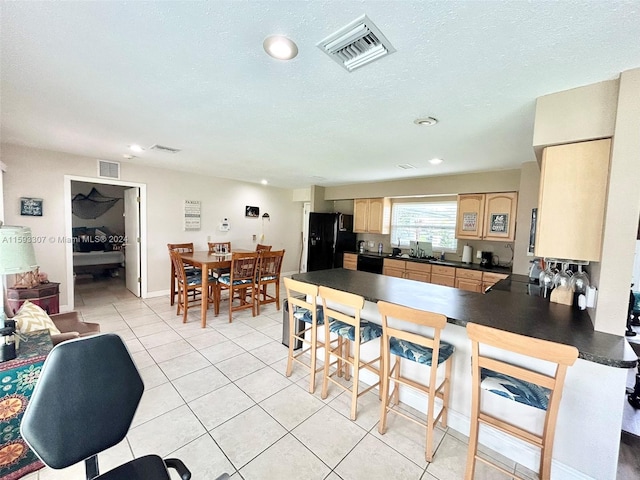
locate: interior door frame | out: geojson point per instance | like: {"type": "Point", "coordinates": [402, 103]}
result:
{"type": "Point", "coordinates": [69, 225]}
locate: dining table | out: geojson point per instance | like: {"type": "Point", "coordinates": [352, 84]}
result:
{"type": "Point", "coordinates": [207, 261]}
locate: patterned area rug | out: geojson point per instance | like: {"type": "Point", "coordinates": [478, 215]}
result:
{"type": "Point", "coordinates": [17, 379]}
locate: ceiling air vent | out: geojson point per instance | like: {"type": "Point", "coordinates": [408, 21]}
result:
{"type": "Point", "coordinates": [406, 166]}
{"type": "Point", "coordinates": [108, 169]}
{"type": "Point", "coordinates": [357, 44]}
{"type": "Point", "coordinates": [162, 148]}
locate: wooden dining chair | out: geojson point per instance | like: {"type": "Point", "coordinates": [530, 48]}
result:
{"type": "Point", "coordinates": [223, 248]}
{"type": "Point", "coordinates": [520, 384]}
{"type": "Point", "coordinates": [261, 248]}
{"type": "Point", "coordinates": [240, 282]}
{"type": "Point", "coordinates": [268, 274]}
{"type": "Point", "coordinates": [190, 284]}
{"type": "Point", "coordinates": [180, 248]}
{"type": "Point", "coordinates": [219, 247]}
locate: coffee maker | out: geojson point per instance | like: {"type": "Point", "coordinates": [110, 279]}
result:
{"type": "Point", "coordinates": [486, 259]}
{"type": "Point", "coordinates": [361, 246]}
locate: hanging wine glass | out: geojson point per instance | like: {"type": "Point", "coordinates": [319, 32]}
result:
{"type": "Point", "coordinates": [546, 280]}
{"type": "Point", "coordinates": [580, 281]}
{"type": "Point", "coordinates": [562, 279]}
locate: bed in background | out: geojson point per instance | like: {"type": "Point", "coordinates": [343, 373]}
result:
{"type": "Point", "coordinates": [97, 251]}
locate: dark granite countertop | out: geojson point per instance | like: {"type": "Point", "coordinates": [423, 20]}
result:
{"type": "Point", "coordinates": [446, 263]}
{"type": "Point", "coordinates": [528, 315]}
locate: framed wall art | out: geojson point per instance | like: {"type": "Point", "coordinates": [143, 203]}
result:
{"type": "Point", "coordinates": [31, 207]}
{"type": "Point", "coordinates": [251, 211]}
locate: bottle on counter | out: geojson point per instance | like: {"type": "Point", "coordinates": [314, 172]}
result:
{"type": "Point", "coordinates": [380, 248]}
{"type": "Point", "coordinates": [442, 255]}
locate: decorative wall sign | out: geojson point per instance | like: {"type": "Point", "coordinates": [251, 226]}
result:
{"type": "Point", "coordinates": [499, 223]}
{"type": "Point", "coordinates": [469, 221]}
{"type": "Point", "coordinates": [251, 211]}
{"type": "Point", "coordinates": [191, 215]}
{"type": "Point", "coordinates": [31, 206]}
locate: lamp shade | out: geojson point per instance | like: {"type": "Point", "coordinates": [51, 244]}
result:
{"type": "Point", "coordinates": [16, 250]}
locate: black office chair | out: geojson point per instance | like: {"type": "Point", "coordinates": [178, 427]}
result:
{"type": "Point", "coordinates": [84, 402]}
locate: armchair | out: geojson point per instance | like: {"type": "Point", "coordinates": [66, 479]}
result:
{"type": "Point", "coordinates": [71, 326]}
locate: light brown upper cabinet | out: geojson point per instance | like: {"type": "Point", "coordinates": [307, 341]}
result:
{"type": "Point", "coordinates": [470, 216]}
{"type": "Point", "coordinates": [487, 216]}
{"type": "Point", "coordinates": [371, 215]}
{"type": "Point", "coordinates": [571, 204]}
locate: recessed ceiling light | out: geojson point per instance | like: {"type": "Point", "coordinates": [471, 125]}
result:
{"type": "Point", "coordinates": [425, 121]}
{"type": "Point", "coordinates": [128, 157]}
{"type": "Point", "coordinates": [263, 182]}
{"type": "Point", "coordinates": [435, 161]}
{"type": "Point", "coordinates": [280, 47]}
{"type": "Point", "coordinates": [136, 148]}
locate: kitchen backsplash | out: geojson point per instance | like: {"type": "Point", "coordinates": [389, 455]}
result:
{"type": "Point", "coordinates": [499, 249]}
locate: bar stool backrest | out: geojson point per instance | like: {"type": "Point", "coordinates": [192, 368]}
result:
{"type": "Point", "coordinates": [295, 289]}
{"type": "Point", "coordinates": [417, 317]}
{"type": "Point", "coordinates": [345, 299]}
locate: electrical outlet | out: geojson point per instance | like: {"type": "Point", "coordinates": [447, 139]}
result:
{"type": "Point", "coordinates": [254, 237]}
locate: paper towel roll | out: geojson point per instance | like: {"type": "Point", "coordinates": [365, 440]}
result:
{"type": "Point", "coordinates": [467, 254]}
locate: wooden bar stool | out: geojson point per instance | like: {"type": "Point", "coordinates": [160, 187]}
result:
{"type": "Point", "coordinates": [516, 383]}
{"type": "Point", "coordinates": [302, 301]}
{"type": "Point", "coordinates": [350, 329]}
{"type": "Point", "coordinates": [419, 348]}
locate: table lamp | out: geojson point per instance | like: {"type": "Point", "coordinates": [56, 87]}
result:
{"type": "Point", "coordinates": [16, 256]}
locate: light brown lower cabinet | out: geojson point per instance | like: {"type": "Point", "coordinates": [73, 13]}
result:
{"type": "Point", "coordinates": [489, 279]}
{"type": "Point", "coordinates": [350, 261]}
{"type": "Point", "coordinates": [463, 278]}
{"type": "Point", "coordinates": [443, 275]}
{"type": "Point", "coordinates": [470, 280]}
{"type": "Point", "coordinates": [420, 272]}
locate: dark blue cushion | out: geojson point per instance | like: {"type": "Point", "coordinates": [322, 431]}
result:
{"type": "Point", "coordinates": [418, 353]}
{"type": "Point", "coordinates": [226, 279]}
{"type": "Point", "coordinates": [304, 314]}
{"type": "Point", "coordinates": [515, 389]}
{"type": "Point", "coordinates": [197, 280]}
{"type": "Point", "coordinates": [368, 331]}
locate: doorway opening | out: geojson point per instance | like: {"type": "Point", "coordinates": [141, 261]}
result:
{"type": "Point", "coordinates": [105, 221]}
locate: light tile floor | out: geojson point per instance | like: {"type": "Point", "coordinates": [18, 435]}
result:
{"type": "Point", "coordinates": [218, 399]}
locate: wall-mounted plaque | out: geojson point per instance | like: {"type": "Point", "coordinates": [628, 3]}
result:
{"type": "Point", "coordinates": [499, 223]}
{"type": "Point", "coordinates": [191, 215]}
{"type": "Point", "coordinates": [31, 207]}
{"type": "Point", "coordinates": [469, 221]}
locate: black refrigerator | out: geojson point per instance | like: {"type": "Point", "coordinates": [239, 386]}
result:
{"type": "Point", "coordinates": [330, 235]}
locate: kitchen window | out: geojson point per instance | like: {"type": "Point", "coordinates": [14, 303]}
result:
{"type": "Point", "coordinates": [425, 221]}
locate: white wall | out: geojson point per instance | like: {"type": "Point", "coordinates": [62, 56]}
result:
{"type": "Point", "coordinates": [2, 169]}
{"type": "Point", "coordinates": [40, 173]}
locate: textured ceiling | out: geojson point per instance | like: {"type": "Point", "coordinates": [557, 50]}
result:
{"type": "Point", "coordinates": [90, 78]}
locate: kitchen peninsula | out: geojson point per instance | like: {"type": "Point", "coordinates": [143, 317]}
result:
{"type": "Point", "coordinates": [591, 402]}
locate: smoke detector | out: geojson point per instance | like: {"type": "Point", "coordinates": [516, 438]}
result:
{"type": "Point", "coordinates": [357, 44]}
